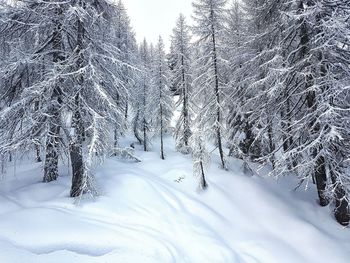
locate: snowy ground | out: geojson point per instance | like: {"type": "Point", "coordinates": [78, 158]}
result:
{"type": "Point", "coordinates": [151, 212]}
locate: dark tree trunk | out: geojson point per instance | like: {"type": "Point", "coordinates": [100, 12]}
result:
{"type": "Point", "coordinates": [144, 137]}
{"type": "Point", "coordinates": [76, 152]}
{"type": "Point", "coordinates": [321, 180]}
{"type": "Point", "coordinates": [247, 143]}
{"type": "Point", "coordinates": [51, 160]}
{"type": "Point", "coordinates": [52, 141]}
{"type": "Point", "coordinates": [271, 146]}
{"type": "Point", "coordinates": [320, 167]}
{"type": "Point", "coordinates": [144, 119]}
{"type": "Point", "coordinates": [161, 115]}
{"type": "Point", "coordinates": [37, 151]}
{"type": "Point", "coordinates": [185, 102]}
{"type": "Point", "coordinates": [217, 95]}
{"type": "Point", "coordinates": [341, 211]}
{"type": "Point", "coordinates": [37, 147]}
{"type": "Point", "coordinates": [161, 145]}
{"type": "Point", "coordinates": [76, 156]}
{"type": "Point", "coordinates": [116, 138]}
{"type": "Point", "coordinates": [126, 111]}
{"type": "Point", "coordinates": [320, 175]}
{"type": "Point", "coordinates": [203, 182]}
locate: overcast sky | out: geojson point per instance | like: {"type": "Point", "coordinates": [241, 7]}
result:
{"type": "Point", "coordinates": [151, 18]}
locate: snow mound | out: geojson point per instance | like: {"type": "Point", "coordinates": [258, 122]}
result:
{"type": "Point", "coordinates": [151, 212]}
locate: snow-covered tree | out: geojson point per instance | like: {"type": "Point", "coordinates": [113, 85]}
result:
{"type": "Point", "coordinates": [142, 118]}
{"type": "Point", "coordinates": [126, 43]}
{"type": "Point", "coordinates": [255, 60]}
{"type": "Point", "coordinates": [181, 76]}
{"type": "Point", "coordinates": [97, 87]}
{"type": "Point", "coordinates": [67, 50]}
{"type": "Point", "coordinates": [209, 81]}
{"type": "Point", "coordinates": [318, 76]}
{"type": "Point", "coordinates": [31, 33]}
{"type": "Point", "coordinates": [161, 100]}
{"type": "Point", "coordinates": [290, 89]}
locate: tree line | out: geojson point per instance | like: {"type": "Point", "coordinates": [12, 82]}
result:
{"type": "Point", "coordinates": [266, 81]}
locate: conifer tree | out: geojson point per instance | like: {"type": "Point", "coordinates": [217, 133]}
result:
{"type": "Point", "coordinates": [67, 89]}
{"type": "Point", "coordinates": [142, 118]}
{"type": "Point", "coordinates": [209, 18]}
{"type": "Point", "coordinates": [181, 77]}
{"type": "Point", "coordinates": [161, 101]}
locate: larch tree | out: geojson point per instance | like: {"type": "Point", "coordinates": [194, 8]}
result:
{"type": "Point", "coordinates": [142, 119]}
{"type": "Point", "coordinates": [126, 43]}
{"type": "Point", "coordinates": [65, 71]}
{"type": "Point", "coordinates": [181, 78]}
{"type": "Point", "coordinates": [97, 86]}
{"type": "Point", "coordinates": [290, 90]}
{"type": "Point", "coordinates": [209, 84]}
{"type": "Point", "coordinates": [161, 100]}
{"type": "Point", "coordinates": [31, 33]}
{"type": "Point", "coordinates": [319, 63]}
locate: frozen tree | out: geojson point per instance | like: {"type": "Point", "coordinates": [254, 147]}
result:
{"type": "Point", "coordinates": [209, 83]}
{"type": "Point", "coordinates": [97, 87]}
{"type": "Point", "coordinates": [255, 60]}
{"type": "Point", "coordinates": [237, 53]}
{"type": "Point", "coordinates": [290, 89]}
{"type": "Point", "coordinates": [126, 43]}
{"type": "Point", "coordinates": [181, 76]}
{"type": "Point", "coordinates": [142, 119]}
{"type": "Point", "coordinates": [68, 51]}
{"type": "Point", "coordinates": [319, 72]}
{"type": "Point", "coordinates": [32, 93]}
{"type": "Point", "coordinates": [161, 101]}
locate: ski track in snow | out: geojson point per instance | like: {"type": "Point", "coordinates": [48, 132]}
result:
{"type": "Point", "coordinates": [144, 215]}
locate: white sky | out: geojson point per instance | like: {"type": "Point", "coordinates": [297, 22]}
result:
{"type": "Point", "coordinates": [151, 18]}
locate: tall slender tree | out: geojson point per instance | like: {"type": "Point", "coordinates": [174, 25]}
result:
{"type": "Point", "coordinates": [181, 77]}
{"type": "Point", "coordinates": [209, 18]}
{"type": "Point", "coordinates": [142, 118]}
{"type": "Point", "coordinates": [161, 101]}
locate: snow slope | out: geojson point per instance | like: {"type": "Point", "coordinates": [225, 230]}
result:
{"type": "Point", "coordinates": [151, 212]}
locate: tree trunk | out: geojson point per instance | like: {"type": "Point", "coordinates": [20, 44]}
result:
{"type": "Point", "coordinates": [248, 140]}
{"type": "Point", "coordinates": [341, 211]}
{"type": "Point", "coordinates": [320, 167]}
{"type": "Point", "coordinates": [203, 183]}
{"type": "Point", "coordinates": [52, 142]}
{"type": "Point", "coordinates": [76, 155]}
{"type": "Point", "coordinates": [76, 148]}
{"type": "Point", "coordinates": [271, 146]}
{"type": "Point", "coordinates": [161, 145]}
{"type": "Point", "coordinates": [217, 96]}
{"type": "Point", "coordinates": [161, 114]}
{"type": "Point", "coordinates": [37, 147]}
{"type": "Point", "coordinates": [321, 179]}
{"type": "Point", "coordinates": [126, 111]}
{"type": "Point", "coordinates": [51, 160]}
{"type": "Point", "coordinates": [185, 102]}
{"type": "Point", "coordinates": [144, 120]}
{"type": "Point", "coordinates": [144, 137]}
{"type": "Point", "coordinates": [115, 141]}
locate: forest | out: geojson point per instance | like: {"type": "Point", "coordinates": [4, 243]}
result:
{"type": "Point", "coordinates": [265, 82]}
